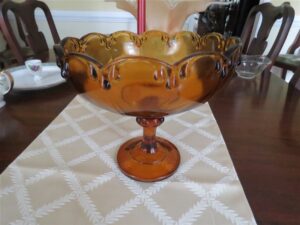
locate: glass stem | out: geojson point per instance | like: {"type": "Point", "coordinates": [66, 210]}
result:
{"type": "Point", "coordinates": [149, 135]}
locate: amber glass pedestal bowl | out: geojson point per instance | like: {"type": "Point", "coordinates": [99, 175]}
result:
{"type": "Point", "coordinates": [148, 76]}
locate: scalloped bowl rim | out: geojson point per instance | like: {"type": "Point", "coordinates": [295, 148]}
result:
{"type": "Point", "coordinates": [140, 36]}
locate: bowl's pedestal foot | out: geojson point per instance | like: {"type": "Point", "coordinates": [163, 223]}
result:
{"type": "Point", "coordinates": [148, 158]}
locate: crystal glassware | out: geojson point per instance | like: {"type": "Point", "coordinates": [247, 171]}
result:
{"type": "Point", "coordinates": [252, 65]}
{"type": "Point", "coordinates": [148, 76]}
{"type": "Point", "coordinates": [6, 85]}
{"type": "Point", "coordinates": [34, 66]}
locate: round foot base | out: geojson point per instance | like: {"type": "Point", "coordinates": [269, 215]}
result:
{"type": "Point", "coordinates": [148, 165]}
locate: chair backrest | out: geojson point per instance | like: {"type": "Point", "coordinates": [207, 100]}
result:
{"type": "Point", "coordinates": [289, 61]}
{"type": "Point", "coordinates": [270, 14]}
{"type": "Point", "coordinates": [295, 44]}
{"type": "Point", "coordinates": [35, 39]}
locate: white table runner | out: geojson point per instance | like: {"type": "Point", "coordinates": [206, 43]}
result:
{"type": "Point", "coordinates": [69, 175]}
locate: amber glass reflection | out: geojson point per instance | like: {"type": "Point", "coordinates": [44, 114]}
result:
{"type": "Point", "coordinates": [148, 76]}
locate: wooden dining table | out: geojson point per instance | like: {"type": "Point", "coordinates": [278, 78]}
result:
{"type": "Point", "coordinates": [259, 120]}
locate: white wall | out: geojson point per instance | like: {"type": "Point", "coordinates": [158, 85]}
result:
{"type": "Point", "coordinates": [79, 17]}
{"type": "Point", "coordinates": [79, 23]}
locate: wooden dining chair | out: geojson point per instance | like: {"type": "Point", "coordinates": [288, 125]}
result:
{"type": "Point", "coordinates": [269, 15]}
{"type": "Point", "coordinates": [290, 61]}
{"type": "Point", "coordinates": [7, 58]}
{"type": "Point", "coordinates": [35, 39]}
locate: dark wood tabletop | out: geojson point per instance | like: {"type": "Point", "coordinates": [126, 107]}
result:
{"type": "Point", "coordinates": [259, 120]}
{"type": "Point", "coordinates": [260, 123]}
{"type": "Point", "coordinates": [26, 115]}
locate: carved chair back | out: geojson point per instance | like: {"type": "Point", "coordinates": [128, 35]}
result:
{"type": "Point", "coordinates": [295, 45]}
{"type": "Point", "coordinates": [269, 15]}
{"type": "Point", "coordinates": [25, 18]}
{"type": "Point", "coordinates": [290, 61]}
